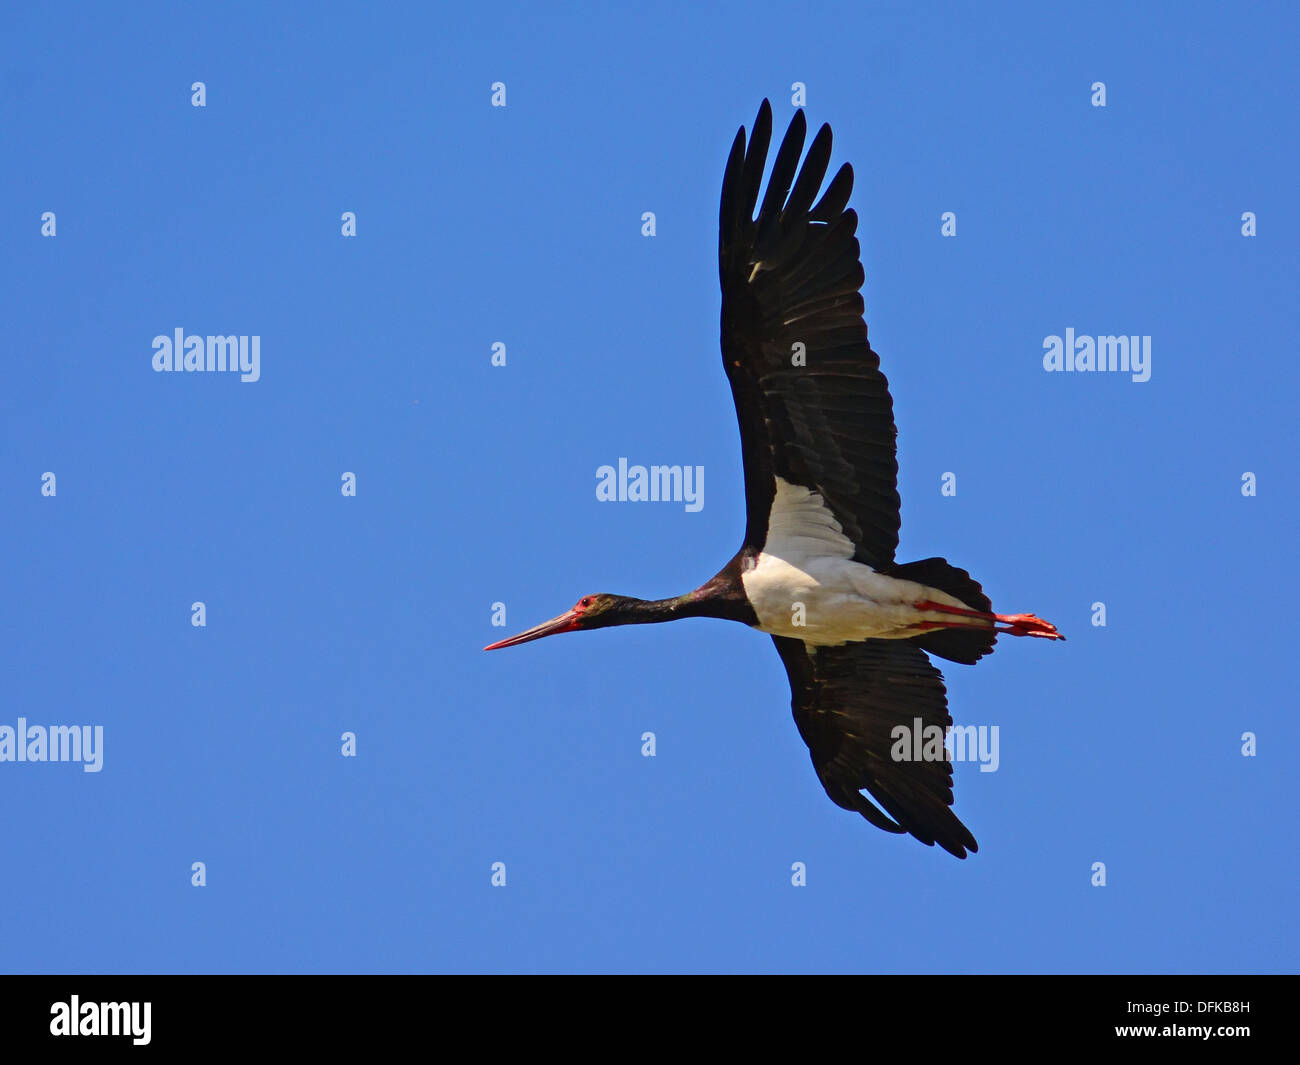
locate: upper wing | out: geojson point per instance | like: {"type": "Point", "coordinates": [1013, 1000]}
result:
{"type": "Point", "coordinates": [792, 277]}
{"type": "Point", "coordinates": [847, 701]}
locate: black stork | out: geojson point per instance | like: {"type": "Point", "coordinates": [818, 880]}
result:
{"type": "Point", "coordinates": [817, 436]}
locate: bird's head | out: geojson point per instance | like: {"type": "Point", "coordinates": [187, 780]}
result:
{"type": "Point", "coordinates": [589, 612]}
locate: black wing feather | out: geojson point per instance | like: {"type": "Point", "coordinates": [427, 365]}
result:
{"type": "Point", "coordinates": [847, 701]}
{"type": "Point", "coordinates": [811, 176]}
{"type": "Point", "coordinates": [792, 276]}
{"type": "Point", "coordinates": [836, 197]}
{"type": "Point", "coordinates": [778, 184]}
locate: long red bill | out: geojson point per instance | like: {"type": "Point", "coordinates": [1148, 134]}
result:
{"type": "Point", "coordinates": [566, 622]}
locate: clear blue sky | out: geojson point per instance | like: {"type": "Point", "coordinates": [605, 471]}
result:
{"type": "Point", "coordinates": [476, 485]}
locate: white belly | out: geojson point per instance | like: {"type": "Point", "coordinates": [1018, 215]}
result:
{"type": "Point", "coordinates": [834, 601]}
{"type": "Point", "coordinates": [806, 585]}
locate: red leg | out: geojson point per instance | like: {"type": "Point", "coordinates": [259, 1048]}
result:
{"type": "Point", "coordinates": [1016, 624]}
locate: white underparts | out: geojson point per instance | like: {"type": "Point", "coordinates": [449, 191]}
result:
{"type": "Point", "coordinates": [807, 586]}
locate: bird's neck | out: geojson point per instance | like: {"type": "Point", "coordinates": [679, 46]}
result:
{"type": "Point", "coordinates": [649, 611]}
{"type": "Point", "coordinates": [722, 597]}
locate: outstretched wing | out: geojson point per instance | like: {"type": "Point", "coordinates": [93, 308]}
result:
{"type": "Point", "coordinates": [813, 406]}
{"type": "Point", "coordinates": [847, 701]}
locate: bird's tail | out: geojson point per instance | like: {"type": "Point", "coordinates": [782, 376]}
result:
{"type": "Point", "coordinates": [964, 645]}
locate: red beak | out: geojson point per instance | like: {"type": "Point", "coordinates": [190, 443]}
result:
{"type": "Point", "coordinates": [566, 622]}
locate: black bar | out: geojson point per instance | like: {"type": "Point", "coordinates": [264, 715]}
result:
{"type": "Point", "coordinates": [365, 1013]}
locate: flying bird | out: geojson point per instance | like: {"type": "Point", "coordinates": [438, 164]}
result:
{"type": "Point", "coordinates": [817, 435]}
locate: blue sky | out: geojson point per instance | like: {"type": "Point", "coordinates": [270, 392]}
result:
{"type": "Point", "coordinates": [522, 225]}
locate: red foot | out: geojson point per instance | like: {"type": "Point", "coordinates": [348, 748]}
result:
{"type": "Point", "coordinates": [1016, 624]}
{"type": "Point", "coordinates": [1028, 625]}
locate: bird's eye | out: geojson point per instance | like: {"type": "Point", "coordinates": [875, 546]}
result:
{"type": "Point", "coordinates": [586, 601]}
